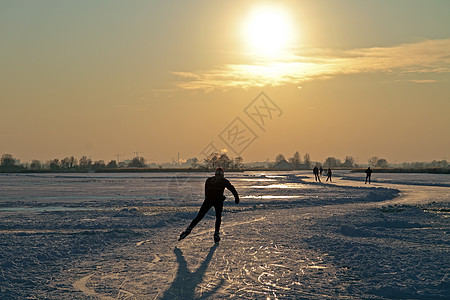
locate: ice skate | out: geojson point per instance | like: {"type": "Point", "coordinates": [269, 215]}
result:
{"type": "Point", "coordinates": [216, 237]}
{"type": "Point", "coordinates": [185, 233]}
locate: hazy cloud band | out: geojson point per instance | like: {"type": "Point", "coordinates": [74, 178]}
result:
{"type": "Point", "coordinates": [428, 56]}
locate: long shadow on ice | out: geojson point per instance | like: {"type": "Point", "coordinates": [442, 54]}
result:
{"type": "Point", "coordinates": [185, 282]}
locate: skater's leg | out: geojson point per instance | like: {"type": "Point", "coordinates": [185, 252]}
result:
{"type": "Point", "coordinates": [201, 213]}
{"type": "Point", "coordinates": [218, 207]}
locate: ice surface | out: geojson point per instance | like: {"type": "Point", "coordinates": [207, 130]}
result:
{"type": "Point", "coordinates": [84, 236]}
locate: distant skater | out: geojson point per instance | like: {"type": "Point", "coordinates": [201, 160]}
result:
{"type": "Point", "coordinates": [321, 170]}
{"type": "Point", "coordinates": [368, 174]}
{"type": "Point", "coordinates": [316, 173]}
{"type": "Point", "coordinates": [329, 174]}
{"type": "Point", "coordinates": [214, 188]}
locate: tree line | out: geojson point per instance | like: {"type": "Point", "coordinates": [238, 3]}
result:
{"type": "Point", "coordinates": [307, 163]}
{"type": "Point", "coordinates": [350, 162]}
{"type": "Point", "coordinates": [10, 164]}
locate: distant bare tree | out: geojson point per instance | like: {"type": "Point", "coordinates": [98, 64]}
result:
{"type": "Point", "coordinates": [332, 162]}
{"type": "Point", "coordinates": [68, 162]}
{"type": "Point", "coordinates": [238, 162]}
{"type": "Point", "coordinates": [382, 163]}
{"type": "Point", "coordinates": [7, 160]}
{"type": "Point", "coordinates": [99, 164]}
{"type": "Point", "coordinates": [349, 162]}
{"type": "Point", "coordinates": [215, 160]}
{"type": "Point", "coordinates": [439, 164]}
{"type": "Point", "coordinates": [211, 161]}
{"type": "Point", "coordinates": [194, 162]}
{"type": "Point", "coordinates": [112, 164]}
{"type": "Point", "coordinates": [279, 158]}
{"type": "Point", "coordinates": [224, 161]}
{"type": "Point", "coordinates": [373, 160]}
{"type": "Point", "coordinates": [85, 162]}
{"type": "Point", "coordinates": [54, 164]}
{"type": "Point", "coordinates": [137, 162]}
{"type": "Point", "coordinates": [72, 162]}
{"type": "Point", "coordinates": [35, 165]}
{"type": "Point", "coordinates": [307, 160]}
{"type": "Point", "coordinates": [295, 160]}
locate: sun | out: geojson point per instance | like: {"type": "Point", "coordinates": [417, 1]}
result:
{"type": "Point", "coordinates": [267, 31]}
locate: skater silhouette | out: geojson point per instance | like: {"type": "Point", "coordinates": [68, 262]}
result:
{"type": "Point", "coordinates": [321, 170]}
{"type": "Point", "coordinates": [368, 174]}
{"type": "Point", "coordinates": [316, 173]}
{"type": "Point", "coordinates": [214, 188]}
{"type": "Point", "coordinates": [329, 174]}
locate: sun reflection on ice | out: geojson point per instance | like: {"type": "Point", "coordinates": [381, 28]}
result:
{"type": "Point", "coordinates": [280, 186]}
{"type": "Point", "coordinates": [269, 197]}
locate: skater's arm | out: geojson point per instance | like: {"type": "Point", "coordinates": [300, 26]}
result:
{"type": "Point", "coordinates": [208, 186]}
{"type": "Point", "coordinates": [231, 188]}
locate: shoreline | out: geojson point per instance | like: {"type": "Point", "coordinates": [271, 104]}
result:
{"type": "Point", "coordinates": [199, 170]}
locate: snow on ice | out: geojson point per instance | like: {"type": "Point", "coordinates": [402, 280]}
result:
{"type": "Point", "coordinates": [114, 236]}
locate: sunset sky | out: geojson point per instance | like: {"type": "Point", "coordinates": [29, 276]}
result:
{"type": "Point", "coordinates": [258, 78]}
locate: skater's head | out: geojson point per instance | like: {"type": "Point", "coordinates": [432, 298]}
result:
{"type": "Point", "coordinates": [219, 172]}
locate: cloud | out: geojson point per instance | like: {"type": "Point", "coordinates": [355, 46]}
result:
{"type": "Point", "coordinates": [424, 80]}
{"type": "Point", "coordinates": [427, 56]}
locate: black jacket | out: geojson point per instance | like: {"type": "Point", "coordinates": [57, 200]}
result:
{"type": "Point", "coordinates": [214, 188]}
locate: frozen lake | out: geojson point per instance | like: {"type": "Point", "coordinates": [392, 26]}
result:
{"type": "Point", "coordinates": [78, 191]}
{"type": "Point", "coordinates": [115, 236]}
